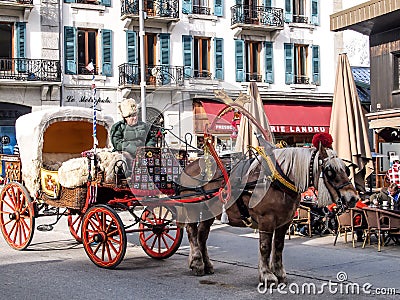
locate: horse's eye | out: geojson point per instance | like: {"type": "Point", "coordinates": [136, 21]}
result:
{"type": "Point", "coordinates": [330, 173]}
{"type": "Point", "coordinates": [347, 171]}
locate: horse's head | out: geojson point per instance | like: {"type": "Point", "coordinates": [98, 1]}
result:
{"type": "Point", "coordinates": [335, 176]}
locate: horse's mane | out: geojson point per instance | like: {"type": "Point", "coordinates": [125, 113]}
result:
{"type": "Point", "coordinates": [295, 162]}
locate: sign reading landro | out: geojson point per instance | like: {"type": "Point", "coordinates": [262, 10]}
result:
{"type": "Point", "coordinates": [71, 98]}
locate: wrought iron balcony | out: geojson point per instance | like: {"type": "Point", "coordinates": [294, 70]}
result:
{"type": "Point", "coordinates": [201, 10]}
{"type": "Point", "coordinates": [153, 8]}
{"type": "Point", "coordinates": [300, 19]}
{"type": "Point", "coordinates": [129, 74]}
{"type": "Point", "coordinates": [301, 79]}
{"type": "Point", "coordinates": [257, 15]}
{"type": "Point", "coordinates": [30, 69]}
{"type": "Point", "coordinates": [253, 77]}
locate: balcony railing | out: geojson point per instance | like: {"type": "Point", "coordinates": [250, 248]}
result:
{"type": "Point", "coordinates": [30, 69]}
{"type": "Point", "coordinates": [129, 74]}
{"type": "Point", "coordinates": [258, 15]}
{"type": "Point", "coordinates": [300, 19]}
{"type": "Point", "coordinates": [301, 79]}
{"type": "Point", "coordinates": [154, 8]}
{"type": "Point", "coordinates": [201, 10]}
{"type": "Point", "coordinates": [96, 2]}
{"type": "Point", "coordinates": [253, 77]}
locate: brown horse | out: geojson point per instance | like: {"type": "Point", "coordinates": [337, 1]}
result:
{"type": "Point", "coordinates": [259, 201]}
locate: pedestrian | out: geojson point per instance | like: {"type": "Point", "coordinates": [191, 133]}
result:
{"type": "Point", "coordinates": [393, 174]}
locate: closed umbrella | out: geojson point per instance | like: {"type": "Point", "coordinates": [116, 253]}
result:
{"type": "Point", "coordinates": [348, 126]}
{"type": "Point", "coordinates": [247, 131]}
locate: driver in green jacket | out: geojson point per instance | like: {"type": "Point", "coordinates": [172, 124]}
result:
{"type": "Point", "coordinates": [130, 133]}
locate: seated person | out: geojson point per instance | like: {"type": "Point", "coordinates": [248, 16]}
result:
{"type": "Point", "coordinates": [385, 194]}
{"type": "Point", "coordinates": [130, 133]}
{"type": "Point", "coordinates": [393, 174]}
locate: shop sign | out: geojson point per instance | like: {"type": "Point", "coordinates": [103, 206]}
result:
{"type": "Point", "coordinates": [84, 98]}
{"type": "Point", "coordinates": [299, 129]}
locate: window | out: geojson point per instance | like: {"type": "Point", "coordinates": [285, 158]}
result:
{"type": "Point", "coordinates": [81, 49]}
{"type": "Point", "coordinates": [13, 56]}
{"type": "Point", "coordinates": [201, 54]}
{"type": "Point", "coordinates": [300, 11]}
{"type": "Point", "coordinates": [6, 49]}
{"type": "Point", "coordinates": [396, 71]}
{"type": "Point", "coordinates": [150, 46]}
{"type": "Point", "coordinates": [300, 64]}
{"type": "Point", "coordinates": [87, 50]}
{"type": "Point", "coordinates": [197, 57]}
{"type": "Point", "coordinates": [249, 64]}
{"type": "Point", "coordinates": [297, 61]}
{"type": "Point", "coordinates": [252, 55]}
{"type": "Point", "coordinates": [203, 7]}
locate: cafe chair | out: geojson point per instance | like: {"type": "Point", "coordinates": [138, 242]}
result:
{"type": "Point", "coordinates": [384, 223]}
{"type": "Point", "coordinates": [389, 225]}
{"type": "Point", "coordinates": [358, 222]}
{"type": "Point", "coordinates": [344, 225]}
{"type": "Point", "coordinates": [302, 217]}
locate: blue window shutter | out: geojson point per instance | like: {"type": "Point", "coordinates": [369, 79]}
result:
{"type": "Point", "coordinates": [69, 1]}
{"type": "Point", "coordinates": [219, 8]}
{"type": "Point", "coordinates": [21, 46]}
{"type": "Point", "coordinates": [289, 63]}
{"type": "Point", "coordinates": [131, 47]}
{"type": "Point", "coordinates": [187, 6]}
{"type": "Point", "coordinates": [106, 2]}
{"type": "Point", "coordinates": [315, 12]}
{"type": "Point", "coordinates": [107, 52]}
{"type": "Point", "coordinates": [164, 57]}
{"type": "Point", "coordinates": [239, 60]}
{"type": "Point", "coordinates": [164, 48]}
{"type": "Point", "coordinates": [187, 55]}
{"type": "Point", "coordinates": [316, 66]}
{"type": "Point", "coordinates": [21, 39]}
{"type": "Point", "coordinates": [70, 50]}
{"type": "Point", "coordinates": [267, 3]}
{"type": "Point", "coordinates": [219, 58]}
{"type": "Point", "coordinates": [288, 11]}
{"type": "Point", "coordinates": [269, 62]}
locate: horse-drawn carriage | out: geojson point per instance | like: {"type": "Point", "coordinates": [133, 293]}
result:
{"type": "Point", "coordinates": [63, 175]}
{"type": "Point", "coordinates": [60, 175]}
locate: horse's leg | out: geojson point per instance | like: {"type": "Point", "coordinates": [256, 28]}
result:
{"type": "Point", "coordinates": [203, 232]}
{"type": "Point", "coordinates": [264, 271]}
{"type": "Point", "coordinates": [195, 257]}
{"type": "Point", "coordinates": [276, 261]}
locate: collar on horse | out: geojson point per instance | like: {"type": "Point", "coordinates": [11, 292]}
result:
{"type": "Point", "coordinates": [277, 176]}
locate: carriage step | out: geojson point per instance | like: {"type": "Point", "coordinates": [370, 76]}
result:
{"type": "Point", "coordinates": [45, 227]}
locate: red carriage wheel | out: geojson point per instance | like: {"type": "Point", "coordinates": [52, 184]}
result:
{"type": "Point", "coordinates": [17, 216]}
{"type": "Point", "coordinates": [75, 224]}
{"type": "Point", "coordinates": [103, 236]}
{"type": "Point", "coordinates": [159, 235]}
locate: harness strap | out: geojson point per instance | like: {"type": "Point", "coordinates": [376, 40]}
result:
{"type": "Point", "coordinates": [277, 173]}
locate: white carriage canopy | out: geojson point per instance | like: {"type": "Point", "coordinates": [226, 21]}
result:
{"type": "Point", "coordinates": [58, 131]}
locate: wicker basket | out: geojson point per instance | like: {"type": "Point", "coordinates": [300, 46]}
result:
{"type": "Point", "coordinates": [71, 198]}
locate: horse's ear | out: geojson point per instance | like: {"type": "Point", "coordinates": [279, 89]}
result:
{"type": "Point", "coordinates": [322, 151]}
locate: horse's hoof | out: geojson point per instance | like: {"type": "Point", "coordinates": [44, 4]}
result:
{"type": "Point", "coordinates": [198, 272]}
{"type": "Point", "coordinates": [282, 280]}
{"type": "Point", "coordinates": [209, 270]}
{"type": "Point", "coordinates": [270, 280]}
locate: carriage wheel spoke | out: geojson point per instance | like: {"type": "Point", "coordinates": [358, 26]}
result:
{"type": "Point", "coordinates": [165, 242]}
{"type": "Point", "coordinates": [11, 197]}
{"type": "Point", "coordinates": [149, 237]}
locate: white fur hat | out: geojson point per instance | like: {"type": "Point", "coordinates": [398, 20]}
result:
{"type": "Point", "coordinates": [127, 107]}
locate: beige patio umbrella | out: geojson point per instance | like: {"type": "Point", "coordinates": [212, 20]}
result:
{"type": "Point", "coordinates": [348, 126]}
{"type": "Point", "coordinates": [247, 132]}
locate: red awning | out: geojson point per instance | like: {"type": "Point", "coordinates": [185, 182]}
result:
{"type": "Point", "coordinates": [306, 118]}
{"type": "Point", "coordinates": [283, 118]}
{"type": "Point", "coordinates": [212, 109]}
